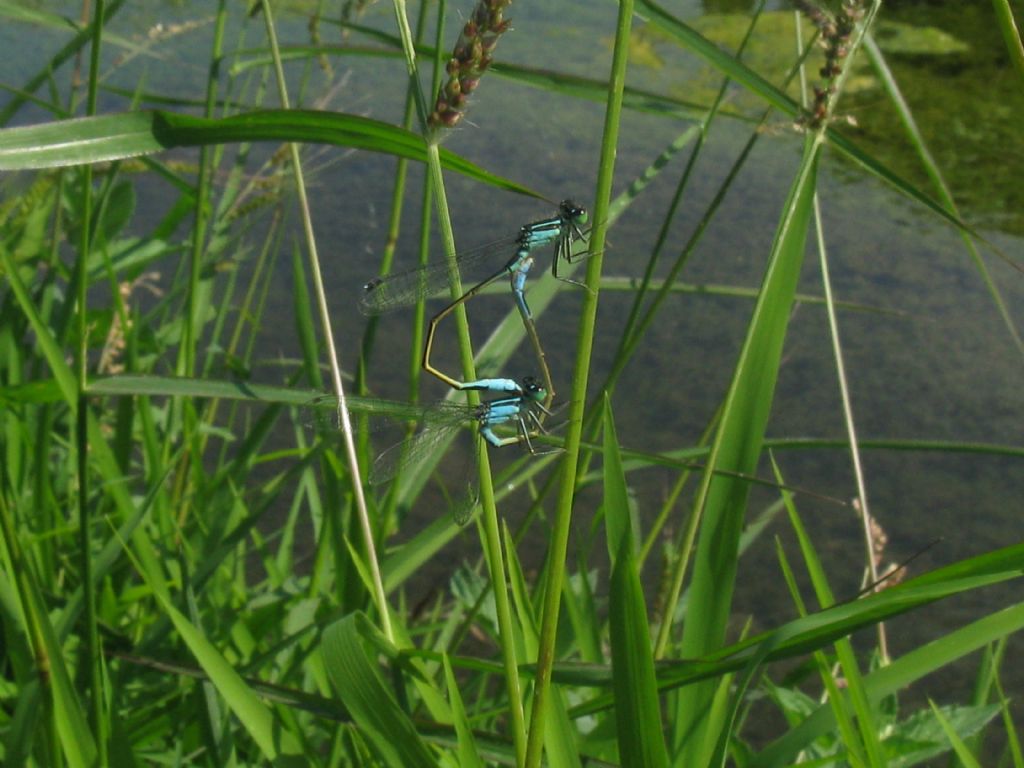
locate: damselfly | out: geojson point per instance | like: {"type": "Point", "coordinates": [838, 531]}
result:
{"type": "Point", "coordinates": [438, 422]}
{"type": "Point", "coordinates": [401, 289]}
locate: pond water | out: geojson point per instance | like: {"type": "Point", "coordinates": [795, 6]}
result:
{"type": "Point", "coordinates": [935, 364]}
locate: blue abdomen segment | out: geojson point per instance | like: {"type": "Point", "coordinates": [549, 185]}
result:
{"type": "Point", "coordinates": [500, 412]}
{"type": "Point", "coordinates": [499, 386]}
{"type": "Point", "coordinates": [519, 269]}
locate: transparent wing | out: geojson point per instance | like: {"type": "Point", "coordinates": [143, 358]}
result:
{"type": "Point", "coordinates": [322, 410]}
{"type": "Point", "coordinates": [403, 289]}
{"type": "Point", "coordinates": [438, 425]}
{"type": "Point", "coordinates": [464, 507]}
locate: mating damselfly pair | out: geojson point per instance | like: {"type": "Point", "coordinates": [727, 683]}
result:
{"type": "Point", "coordinates": [522, 405]}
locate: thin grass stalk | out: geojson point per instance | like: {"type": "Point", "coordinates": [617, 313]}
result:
{"type": "Point", "coordinates": [831, 693]}
{"type": "Point", "coordinates": [1013, 747]}
{"type": "Point", "coordinates": [1011, 35]}
{"type": "Point", "coordinates": [190, 331]}
{"type": "Point", "coordinates": [985, 681]}
{"type": "Point", "coordinates": [387, 258]}
{"type": "Point", "coordinates": [92, 650]}
{"type": "Point", "coordinates": [186, 362]}
{"type": "Point", "coordinates": [379, 595]}
{"type": "Point", "coordinates": [851, 429]}
{"type": "Point", "coordinates": [837, 352]}
{"type": "Point", "coordinates": [489, 516]}
{"type": "Point", "coordinates": [847, 661]}
{"type": "Point", "coordinates": [419, 321]}
{"type": "Point", "coordinates": [840, 367]}
{"type": "Point", "coordinates": [659, 522]}
{"type": "Point", "coordinates": [637, 324]}
{"type": "Point", "coordinates": [578, 397]}
{"type": "Point", "coordinates": [628, 331]}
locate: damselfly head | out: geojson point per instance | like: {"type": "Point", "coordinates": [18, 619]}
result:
{"type": "Point", "coordinates": [533, 389]}
{"type": "Point", "coordinates": [573, 212]}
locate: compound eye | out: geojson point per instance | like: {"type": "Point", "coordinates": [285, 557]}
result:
{"type": "Point", "coordinates": [533, 388]}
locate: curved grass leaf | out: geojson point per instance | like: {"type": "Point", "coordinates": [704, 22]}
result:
{"type": "Point", "coordinates": [104, 138]}
{"type": "Point", "coordinates": [51, 350]}
{"type": "Point", "coordinates": [76, 739]}
{"type": "Point", "coordinates": [381, 721]}
{"type": "Point", "coordinates": [637, 711]}
{"type": "Point", "coordinates": [469, 756]}
{"type": "Point", "coordinates": [273, 740]}
{"type": "Point", "coordinates": [736, 449]}
{"type": "Point", "coordinates": [1007, 25]}
{"type": "Point", "coordinates": [816, 631]}
{"type": "Point", "coordinates": [962, 752]}
{"type": "Point", "coordinates": [889, 680]}
{"type": "Point", "coordinates": [180, 386]}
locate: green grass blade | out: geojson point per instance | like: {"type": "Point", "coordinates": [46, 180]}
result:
{"type": "Point", "coordinates": [104, 138]}
{"type": "Point", "coordinates": [736, 449]}
{"type": "Point", "coordinates": [903, 671]}
{"type": "Point", "coordinates": [637, 709]}
{"type": "Point", "coordinates": [468, 755]}
{"type": "Point", "coordinates": [844, 722]}
{"type": "Point", "coordinates": [258, 719]}
{"type": "Point", "coordinates": [865, 720]}
{"type": "Point", "coordinates": [380, 719]}
{"type": "Point", "coordinates": [560, 749]}
{"type": "Point", "coordinates": [966, 758]}
{"type": "Point", "coordinates": [791, 640]}
{"type": "Point", "coordinates": [931, 167]}
{"type": "Point", "coordinates": [1012, 734]}
{"type": "Point", "coordinates": [559, 539]}
{"type": "Point", "coordinates": [52, 352]}
{"type": "Point", "coordinates": [1007, 25]}
{"type": "Point", "coordinates": [76, 740]}
{"type": "Point", "coordinates": [618, 521]}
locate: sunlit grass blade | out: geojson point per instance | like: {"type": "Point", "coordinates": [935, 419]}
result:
{"type": "Point", "coordinates": [68, 719]}
{"type": "Point", "coordinates": [1011, 34]}
{"type": "Point", "coordinates": [737, 448]}
{"type": "Point", "coordinates": [641, 741]}
{"type": "Point", "coordinates": [816, 631]}
{"type": "Point", "coordinates": [104, 138]}
{"type": "Point", "coordinates": [52, 352]}
{"type": "Point", "coordinates": [967, 760]}
{"type": "Point", "coordinates": [258, 719]}
{"type": "Point", "coordinates": [848, 665]}
{"type": "Point", "coordinates": [468, 755]}
{"type": "Point", "coordinates": [902, 672]}
{"type": "Point", "coordinates": [381, 721]}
